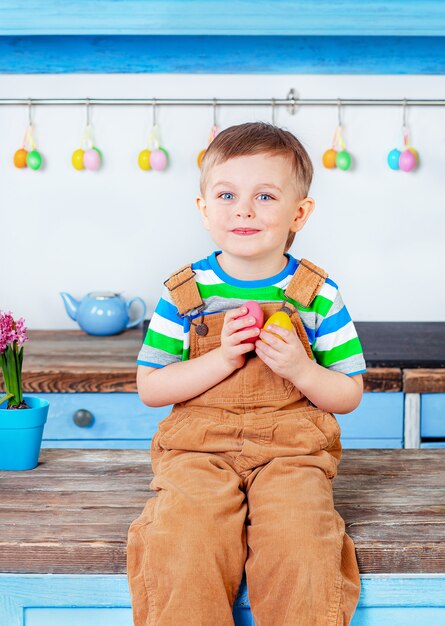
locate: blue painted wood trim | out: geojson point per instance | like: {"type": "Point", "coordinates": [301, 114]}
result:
{"type": "Point", "coordinates": [220, 55]}
{"type": "Point", "coordinates": [223, 17]}
{"type": "Point", "coordinates": [18, 591]}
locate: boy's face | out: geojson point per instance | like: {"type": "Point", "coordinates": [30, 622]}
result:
{"type": "Point", "coordinates": [251, 203]}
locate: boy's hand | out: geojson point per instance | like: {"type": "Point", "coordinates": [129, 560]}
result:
{"type": "Point", "coordinates": [232, 350]}
{"type": "Point", "coordinates": [287, 356]}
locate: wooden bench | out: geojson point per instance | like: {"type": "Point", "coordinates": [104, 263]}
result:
{"type": "Point", "coordinates": [64, 528]}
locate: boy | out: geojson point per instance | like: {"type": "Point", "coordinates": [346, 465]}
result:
{"type": "Point", "coordinates": [243, 465]}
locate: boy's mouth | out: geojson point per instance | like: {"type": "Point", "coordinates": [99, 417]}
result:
{"type": "Point", "coordinates": [245, 231]}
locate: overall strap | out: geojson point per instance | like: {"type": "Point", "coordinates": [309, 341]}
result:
{"type": "Point", "coordinates": [306, 283]}
{"type": "Point", "coordinates": [184, 290]}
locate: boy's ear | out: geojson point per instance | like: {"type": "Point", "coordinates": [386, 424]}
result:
{"type": "Point", "coordinates": [302, 214]}
{"type": "Point", "coordinates": [202, 207]}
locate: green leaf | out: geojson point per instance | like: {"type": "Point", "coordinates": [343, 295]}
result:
{"type": "Point", "coordinates": [6, 397]}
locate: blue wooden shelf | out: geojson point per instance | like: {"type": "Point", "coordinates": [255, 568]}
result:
{"type": "Point", "coordinates": [206, 54]}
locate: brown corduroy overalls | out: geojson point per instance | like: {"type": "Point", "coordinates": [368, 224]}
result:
{"type": "Point", "coordinates": [243, 475]}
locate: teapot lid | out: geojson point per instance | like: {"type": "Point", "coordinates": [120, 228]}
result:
{"type": "Point", "coordinates": [103, 295]}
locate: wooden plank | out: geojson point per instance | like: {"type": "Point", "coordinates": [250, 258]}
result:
{"type": "Point", "coordinates": [71, 514]}
{"type": "Point", "coordinates": [223, 17]}
{"type": "Point", "coordinates": [423, 380]}
{"type": "Point", "coordinates": [382, 379]}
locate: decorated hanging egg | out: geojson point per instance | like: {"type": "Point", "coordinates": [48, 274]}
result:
{"type": "Point", "coordinates": [91, 159]}
{"type": "Point", "coordinates": [343, 160]}
{"type": "Point", "coordinates": [253, 310]}
{"type": "Point", "coordinates": [34, 159]}
{"type": "Point", "coordinates": [416, 154]}
{"type": "Point", "coordinates": [201, 156]}
{"type": "Point", "coordinates": [407, 161]}
{"type": "Point", "coordinates": [158, 159]}
{"type": "Point", "coordinates": [393, 159]}
{"type": "Point", "coordinates": [279, 318]}
{"type": "Point", "coordinates": [329, 158]}
{"type": "Point", "coordinates": [20, 158]}
{"type": "Point", "coordinates": [77, 159]}
{"type": "Point", "coordinates": [144, 160]}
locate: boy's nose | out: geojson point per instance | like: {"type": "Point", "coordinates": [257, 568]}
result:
{"type": "Point", "coordinates": [245, 210]}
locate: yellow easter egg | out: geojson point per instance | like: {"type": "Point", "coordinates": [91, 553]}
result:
{"type": "Point", "coordinates": [77, 159]}
{"type": "Point", "coordinates": [416, 154]}
{"type": "Point", "coordinates": [281, 319]}
{"type": "Point", "coordinates": [144, 160]}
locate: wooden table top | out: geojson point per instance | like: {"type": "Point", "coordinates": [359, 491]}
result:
{"type": "Point", "coordinates": [71, 514]}
{"type": "Point", "coordinates": [73, 361]}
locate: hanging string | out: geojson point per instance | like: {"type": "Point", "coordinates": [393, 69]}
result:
{"type": "Point", "coordinates": [87, 141]}
{"type": "Point", "coordinates": [28, 140]}
{"type": "Point", "coordinates": [273, 111]}
{"type": "Point", "coordinates": [153, 136]}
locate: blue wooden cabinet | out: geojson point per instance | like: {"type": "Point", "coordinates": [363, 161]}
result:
{"type": "Point", "coordinates": [432, 420]}
{"type": "Point", "coordinates": [103, 600]}
{"type": "Point", "coordinates": [121, 420]}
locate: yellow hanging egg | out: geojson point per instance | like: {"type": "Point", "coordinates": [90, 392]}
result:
{"type": "Point", "coordinates": [281, 319]}
{"type": "Point", "coordinates": [144, 160]}
{"type": "Point", "coordinates": [77, 159]}
{"type": "Point", "coordinates": [416, 154]}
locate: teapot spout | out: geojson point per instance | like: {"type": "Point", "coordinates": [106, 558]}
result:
{"type": "Point", "coordinates": [71, 305]}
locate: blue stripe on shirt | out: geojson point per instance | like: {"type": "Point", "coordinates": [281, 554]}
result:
{"type": "Point", "coordinates": [334, 322]}
{"type": "Point", "coordinates": [168, 310]}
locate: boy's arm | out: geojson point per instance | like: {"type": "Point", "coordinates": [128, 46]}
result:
{"type": "Point", "coordinates": [183, 380]}
{"type": "Point", "coordinates": [331, 391]}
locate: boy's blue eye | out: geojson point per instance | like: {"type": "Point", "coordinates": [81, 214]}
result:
{"type": "Point", "coordinates": [265, 194]}
{"type": "Point", "coordinates": [227, 193]}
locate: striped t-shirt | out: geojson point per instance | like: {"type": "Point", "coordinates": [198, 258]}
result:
{"type": "Point", "coordinates": [331, 332]}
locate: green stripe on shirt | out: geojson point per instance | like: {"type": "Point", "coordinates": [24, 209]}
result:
{"type": "Point", "coordinates": [163, 342]}
{"type": "Point", "coordinates": [344, 351]}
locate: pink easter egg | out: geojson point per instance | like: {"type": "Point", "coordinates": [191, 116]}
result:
{"type": "Point", "coordinates": [158, 160]}
{"type": "Point", "coordinates": [253, 310]}
{"type": "Point", "coordinates": [407, 161]}
{"type": "Point", "coordinates": [91, 159]}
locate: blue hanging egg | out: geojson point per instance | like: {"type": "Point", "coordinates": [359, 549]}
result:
{"type": "Point", "coordinates": [393, 159]}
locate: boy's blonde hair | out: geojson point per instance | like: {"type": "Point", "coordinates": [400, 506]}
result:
{"type": "Point", "coordinates": [255, 138]}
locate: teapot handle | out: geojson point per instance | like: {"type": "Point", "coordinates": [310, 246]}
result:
{"type": "Point", "coordinates": [139, 319]}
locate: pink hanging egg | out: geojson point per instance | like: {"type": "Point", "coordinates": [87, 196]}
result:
{"type": "Point", "coordinates": [158, 159]}
{"type": "Point", "coordinates": [91, 159]}
{"type": "Point", "coordinates": [407, 161]}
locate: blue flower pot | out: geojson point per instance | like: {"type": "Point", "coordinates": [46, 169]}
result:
{"type": "Point", "coordinates": [21, 433]}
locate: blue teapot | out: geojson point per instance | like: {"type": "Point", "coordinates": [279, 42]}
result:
{"type": "Point", "coordinates": [102, 312]}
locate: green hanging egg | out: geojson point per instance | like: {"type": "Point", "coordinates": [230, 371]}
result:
{"type": "Point", "coordinates": [343, 160]}
{"type": "Point", "coordinates": [34, 159]}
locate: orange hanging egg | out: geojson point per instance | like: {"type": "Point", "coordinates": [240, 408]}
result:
{"type": "Point", "coordinates": [200, 157]}
{"type": "Point", "coordinates": [329, 158]}
{"type": "Point", "coordinates": [20, 158]}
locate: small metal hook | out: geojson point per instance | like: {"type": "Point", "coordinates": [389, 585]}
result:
{"type": "Point", "coordinates": [293, 97]}
{"type": "Point", "coordinates": [29, 112]}
{"type": "Point", "coordinates": [339, 111]}
{"type": "Point", "coordinates": [154, 111]}
{"type": "Point", "coordinates": [273, 111]}
{"type": "Point", "coordinates": [214, 112]}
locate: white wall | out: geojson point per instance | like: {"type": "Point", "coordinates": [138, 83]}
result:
{"type": "Point", "coordinates": [379, 233]}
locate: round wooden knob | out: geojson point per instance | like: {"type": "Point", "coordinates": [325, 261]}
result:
{"type": "Point", "coordinates": [83, 418]}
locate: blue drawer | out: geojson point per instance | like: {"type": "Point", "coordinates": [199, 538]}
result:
{"type": "Point", "coordinates": [376, 423]}
{"type": "Point", "coordinates": [120, 420]}
{"type": "Point", "coordinates": [432, 415]}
